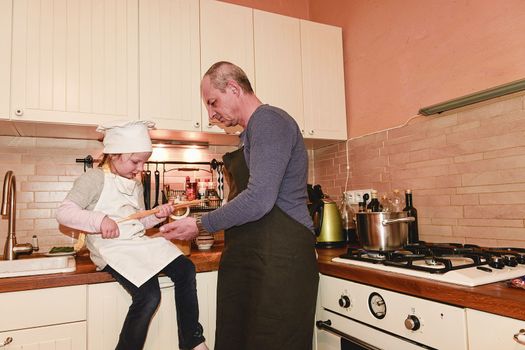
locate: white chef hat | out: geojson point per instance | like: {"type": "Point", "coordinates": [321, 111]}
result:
{"type": "Point", "coordinates": [126, 136]}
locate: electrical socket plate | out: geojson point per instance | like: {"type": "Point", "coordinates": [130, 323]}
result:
{"type": "Point", "coordinates": [356, 196]}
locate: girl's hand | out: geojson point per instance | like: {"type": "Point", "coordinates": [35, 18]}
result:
{"type": "Point", "coordinates": [164, 211]}
{"type": "Point", "coordinates": [109, 228]}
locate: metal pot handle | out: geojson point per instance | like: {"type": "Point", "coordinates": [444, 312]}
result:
{"type": "Point", "coordinates": [393, 221]}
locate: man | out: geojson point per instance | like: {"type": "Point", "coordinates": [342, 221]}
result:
{"type": "Point", "coordinates": [268, 276]}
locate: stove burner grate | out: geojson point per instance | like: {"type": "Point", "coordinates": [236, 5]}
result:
{"type": "Point", "coordinates": [431, 258]}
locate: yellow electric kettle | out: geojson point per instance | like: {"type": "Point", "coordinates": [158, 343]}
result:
{"type": "Point", "coordinates": [327, 224]}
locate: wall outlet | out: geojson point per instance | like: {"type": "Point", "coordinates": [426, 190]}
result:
{"type": "Point", "coordinates": [357, 195]}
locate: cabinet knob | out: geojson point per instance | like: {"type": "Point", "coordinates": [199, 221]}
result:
{"type": "Point", "coordinates": [520, 337]}
{"type": "Point", "coordinates": [7, 341]}
{"type": "Point", "coordinates": [412, 323]}
{"type": "Point", "coordinates": [196, 125]}
{"type": "Point", "coordinates": [302, 131]}
{"type": "Point", "coordinates": [344, 301]}
{"type": "Point", "coordinates": [311, 132]}
{"type": "Point", "coordinates": [210, 125]}
{"type": "Point", "coordinates": [19, 112]}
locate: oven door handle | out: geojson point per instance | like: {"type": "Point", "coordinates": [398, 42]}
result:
{"type": "Point", "coordinates": [327, 326]}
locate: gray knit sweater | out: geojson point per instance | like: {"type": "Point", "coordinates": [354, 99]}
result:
{"type": "Point", "coordinates": [276, 156]}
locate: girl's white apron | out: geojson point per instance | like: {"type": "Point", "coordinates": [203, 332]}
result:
{"type": "Point", "coordinates": [134, 255]}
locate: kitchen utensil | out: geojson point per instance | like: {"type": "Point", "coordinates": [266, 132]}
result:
{"type": "Point", "coordinates": [157, 184]}
{"type": "Point", "coordinates": [164, 196]}
{"type": "Point", "coordinates": [328, 225]}
{"type": "Point", "coordinates": [144, 213]}
{"type": "Point", "coordinates": [80, 242]}
{"type": "Point", "coordinates": [383, 231]}
{"type": "Point", "coordinates": [147, 190]}
{"type": "Point", "coordinates": [220, 182]}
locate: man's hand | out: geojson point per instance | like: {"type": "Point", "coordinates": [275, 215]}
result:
{"type": "Point", "coordinates": [184, 229]}
{"type": "Point", "coordinates": [109, 228]}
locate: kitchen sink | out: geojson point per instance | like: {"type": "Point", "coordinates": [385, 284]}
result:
{"type": "Point", "coordinates": [37, 266]}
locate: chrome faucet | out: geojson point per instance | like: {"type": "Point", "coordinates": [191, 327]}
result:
{"type": "Point", "coordinates": [11, 248]}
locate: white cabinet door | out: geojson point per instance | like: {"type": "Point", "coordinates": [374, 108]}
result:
{"type": "Point", "coordinates": [226, 35]}
{"type": "Point", "coordinates": [108, 305]}
{"type": "Point", "coordinates": [488, 331]}
{"type": "Point", "coordinates": [5, 57]}
{"type": "Point", "coordinates": [170, 64]}
{"type": "Point", "coordinates": [69, 336]}
{"type": "Point", "coordinates": [42, 307]}
{"type": "Point", "coordinates": [323, 81]}
{"type": "Point", "coordinates": [207, 294]}
{"type": "Point", "coordinates": [278, 75]}
{"type": "Point", "coordinates": [75, 61]}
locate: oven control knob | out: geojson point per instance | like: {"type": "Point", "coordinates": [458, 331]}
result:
{"type": "Point", "coordinates": [412, 323]}
{"type": "Point", "coordinates": [344, 301]}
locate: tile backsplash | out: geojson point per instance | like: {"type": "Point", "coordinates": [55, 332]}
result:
{"type": "Point", "coordinates": [466, 170]}
{"type": "Point", "coordinates": [46, 168]}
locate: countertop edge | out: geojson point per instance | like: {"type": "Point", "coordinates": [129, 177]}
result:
{"type": "Point", "coordinates": [86, 273]}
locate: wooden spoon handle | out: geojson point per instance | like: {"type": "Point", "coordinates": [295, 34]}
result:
{"type": "Point", "coordinates": [144, 213]}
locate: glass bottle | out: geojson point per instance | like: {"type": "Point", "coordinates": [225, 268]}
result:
{"type": "Point", "coordinates": [348, 219]}
{"type": "Point", "coordinates": [413, 234]}
{"type": "Point", "coordinates": [385, 203]}
{"type": "Point", "coordinates": [397, 201]}
{"type": "Point", "coordinates": [374, 205]}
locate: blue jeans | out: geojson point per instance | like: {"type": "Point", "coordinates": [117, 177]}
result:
{"type": "Point", "coordinates": [146, 299]}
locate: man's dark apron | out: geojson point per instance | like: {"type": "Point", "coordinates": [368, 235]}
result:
{"type": "Point", "coordinates": [268, 278]}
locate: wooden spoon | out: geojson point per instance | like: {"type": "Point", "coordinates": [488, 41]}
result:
{"type": "Point", "coordinates": [144, 213]}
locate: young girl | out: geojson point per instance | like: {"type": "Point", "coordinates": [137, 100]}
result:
{"type": "Point", "coordinates": [98, 200]}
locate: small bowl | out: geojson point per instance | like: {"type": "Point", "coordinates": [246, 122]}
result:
{"type": "Point", "coordinates": [204, 241]}
{"type": "Point", "coordinates": [206, 246]}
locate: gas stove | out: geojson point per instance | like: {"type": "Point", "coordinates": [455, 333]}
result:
{"type": "Point", "coordinates": [468, 265]}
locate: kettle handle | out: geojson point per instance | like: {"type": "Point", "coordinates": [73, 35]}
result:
{"type": "Point", "coordinates": [393, 221]}
{"type": "Point", "coordinates": [318, 211]}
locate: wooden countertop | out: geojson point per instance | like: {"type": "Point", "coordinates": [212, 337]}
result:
{"type": "Point", "coordinates": [496, 298]}
{"type": "Point", "coordinates": [86, 273]}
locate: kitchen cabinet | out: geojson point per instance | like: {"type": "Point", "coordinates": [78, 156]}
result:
{"type": "Point", "coordinates": [299, 67]}
{"type": "Point", "coordinates": [108, 305]}
{"type": "Point", "coordinates": [207, 295]}
{"type": "Point", "coordinates": [278, 77]}
{"type": "Point", "coordinates": [88, 62]}
{"type": "Point", "coordinates": [323, 81]}
{"type": "Point", "coordinates": [5, 57]}
{"type": "Point", "coordinates": [488, 331]}
{"type": "Point", "coordinates": [170, 64]}
{"type": "Point", "coordinates": [226, 35]}
{"type": "Point", "coordinates": [75, 61]}
{"type": "Point", "coordinates": [53, 318]}
{"type": "Point", "coordinates": [71, 336]}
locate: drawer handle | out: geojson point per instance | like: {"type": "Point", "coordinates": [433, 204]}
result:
{"type": "Point", "coordinates": [520, 337]}
{"type": "Point", "coordinates": [327, 326]}
{"type": "Point", "coordinates": [7, 341]}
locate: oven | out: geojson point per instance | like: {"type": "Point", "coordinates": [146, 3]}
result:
{"type": "Point", "coordinates": [355, 316]}
{"type": "Point", "coordinates": [358, 316]}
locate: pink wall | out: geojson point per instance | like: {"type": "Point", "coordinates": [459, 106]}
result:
{"type": "Point", "coordinates": [401, 55]}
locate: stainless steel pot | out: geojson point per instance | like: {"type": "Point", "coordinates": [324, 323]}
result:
{"type": "Point", "coordinates": [383, 231]}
